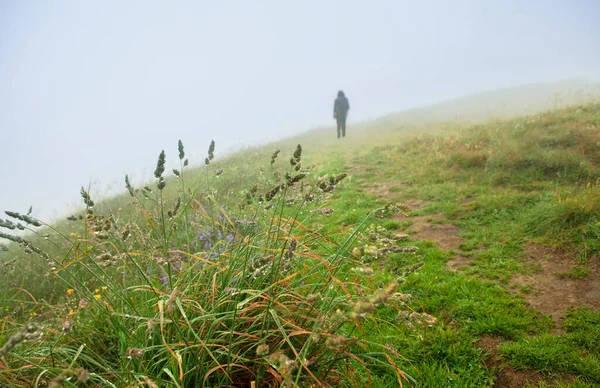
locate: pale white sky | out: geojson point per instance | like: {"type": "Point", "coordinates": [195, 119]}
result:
{"type": "Point", "coordinates": [94, 90]}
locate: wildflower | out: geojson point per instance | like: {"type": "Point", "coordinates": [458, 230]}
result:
{"type": "Point", "coordinates": [70, 291]}
{"type": "Point", "coordinates": [98, 296]}
{"type": "Point", "coordinates": [72, 234]}
{"type": "Point", "coordinates": [103, 288]}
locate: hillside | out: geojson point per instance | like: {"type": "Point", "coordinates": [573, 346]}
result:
{"type": "Point", "coordinates": [449, 255]}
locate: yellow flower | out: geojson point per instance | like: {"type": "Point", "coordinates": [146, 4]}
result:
{"type": "Point", "coordinates": [78, 236]}
{"type": "Point", "coordinates": [97, 296]}
{"type": "Point", "coordinates": [70, 291]}
{"type": "Point", "coordinates": [103, 288]}
{"type": "Point", "coordinates": [97, 290]}
{"type": "Point", "coordinates": [72, 234]}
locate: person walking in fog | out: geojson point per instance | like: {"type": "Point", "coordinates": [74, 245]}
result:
{"type": "Point", "coordinates": [341, 107]}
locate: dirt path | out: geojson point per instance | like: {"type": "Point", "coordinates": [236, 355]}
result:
{"type": "Point", "coordinates": [549, 291]}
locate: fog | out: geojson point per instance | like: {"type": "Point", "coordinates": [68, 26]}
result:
{"type": "Point", "coordinates": [90, 91]}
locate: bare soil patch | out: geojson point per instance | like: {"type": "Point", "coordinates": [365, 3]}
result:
{"type": "Point", "coordinates": [507, 376]}
{"type": "Point", "coordinates": [416, 204]}
{"type": "Point", "coordinates": [384, 190]}
{"type": "Point", "coordinates": [551, 294]}
{"type": "Point", "coordinates": [425, 228]}
{"type": "Point", "coordinates": [459, 262]}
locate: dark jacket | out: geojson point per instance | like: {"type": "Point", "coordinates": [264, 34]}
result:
{"type": "Point", "coordinates": [341, 106]}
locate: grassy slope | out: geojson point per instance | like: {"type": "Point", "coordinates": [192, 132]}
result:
{"type": "Point", "coordinates": [504, 184]}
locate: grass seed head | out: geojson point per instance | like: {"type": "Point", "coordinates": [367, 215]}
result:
{"type": "Point", "coordinates": [129, 186]}
{"type": "Point", "coordinates": [211, 150]}
{"type": "Point", "coordinates": [30, 332]}
{"type": "Point", "coordinates": [274, 156]}
{"type": "Point", "coordinates": [262, 350]}
{"type": "Point", "coordinates": [132, 353]}
{"type": "Point", "coordinates": [335, 342]}
{"type": "Point", "coordinates": [160, 165]}
{"type": "Point", "coordinates": [180, 149]}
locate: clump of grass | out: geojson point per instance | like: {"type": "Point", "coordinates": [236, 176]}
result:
{"type": "Point", "coordinates": [577, 272]}
{"type": "Point", "coordinates": [208, 291]}
{"type": "Point", "coordinates": [574, 352]}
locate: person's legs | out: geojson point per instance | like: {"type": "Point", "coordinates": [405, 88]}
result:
{"type": "Point", "coordinates": [343, 125]}
{"type": "Point", "coordinates": [339, 125]}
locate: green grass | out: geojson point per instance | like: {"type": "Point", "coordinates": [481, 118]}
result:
{"type": "Point", "coordinates": [575, 352]}
{"type": "Point", "coordinates": [180, 304]}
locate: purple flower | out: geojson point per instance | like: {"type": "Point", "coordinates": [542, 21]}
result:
{"type": "Point", "coordinates": [229, 238]}
{"type": "Point", "coordinates": [163, 276]}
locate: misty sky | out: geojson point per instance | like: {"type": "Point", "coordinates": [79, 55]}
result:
{"type": "Point", "coordinates": [92, 90]}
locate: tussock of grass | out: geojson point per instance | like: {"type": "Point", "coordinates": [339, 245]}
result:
{"type": "Point", "coordinates": [201, 287]}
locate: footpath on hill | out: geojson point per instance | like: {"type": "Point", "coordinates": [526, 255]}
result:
{"type": "Point", "coordinates": [552, 281]}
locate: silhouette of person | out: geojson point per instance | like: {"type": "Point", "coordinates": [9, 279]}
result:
{"type": "Point", "coordinates": [341, 107]}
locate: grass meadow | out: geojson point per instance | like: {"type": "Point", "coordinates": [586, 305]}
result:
{"type": "Point", "coordinates": [298, 264]}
